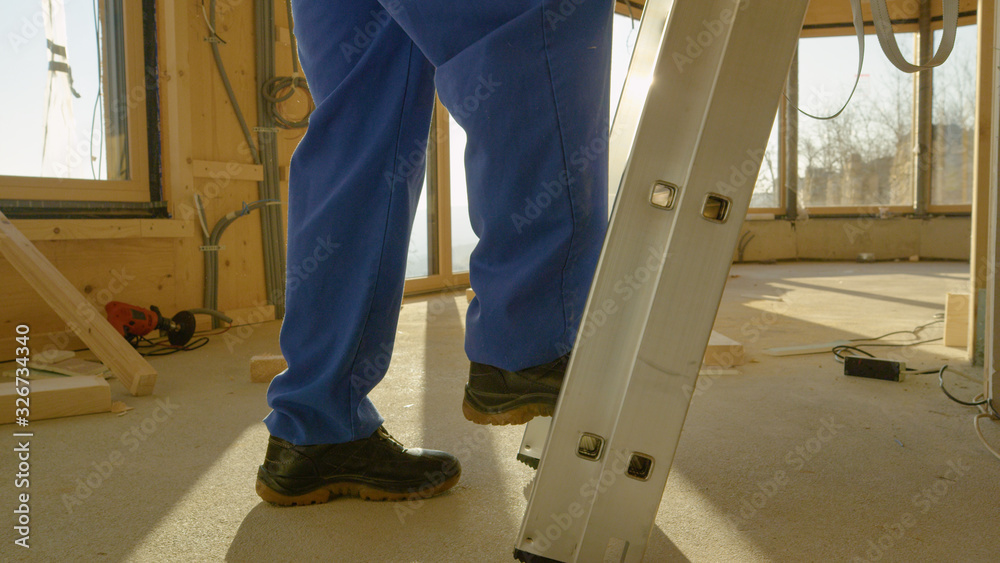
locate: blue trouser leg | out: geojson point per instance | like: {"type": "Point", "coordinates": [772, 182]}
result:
{"type": "Point", "coordinates": [529, 83]}
{"type": "Point", "coordinates": [353, 191]}
{"type": "Point", "coordinates": [528, 80]}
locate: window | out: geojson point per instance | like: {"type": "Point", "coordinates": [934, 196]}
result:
{"type": "Point", "coordinates": [418, 255]}
{"type": "Point", "coordinates": [81, 104]}
{"type": "Point", "coordinates": [864, 157]}
{"type": "Point", "coordinates": [463, 239]}
{"type": "Point", "coordinates": [954, 119]}
{"type": "Point", "coordinates": [767, 190]}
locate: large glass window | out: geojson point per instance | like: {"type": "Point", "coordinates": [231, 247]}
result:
{"type": "Point", "coordinates": [767, 190]}
{"type": "Point", "coordinates": [463, 239]}
{"type": "Point", "coordinates": [864, 157]}
{"type": "Point", "coordinates": [418, 259]}
{"type": "Point", "coordinates": [59, 53]}
{"type": "Point", "coordinates": [76, 99]}
{"type": "Point", "coordinates": [954, 118]}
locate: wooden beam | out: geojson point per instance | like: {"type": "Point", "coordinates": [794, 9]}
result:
{"type": "Point", "coordinates": [166, 228]}
{"type": "Point", "coordinates": [723, 351]}
{"type": "Point", "coordinates": [95, 229]}
{"type": "Point", "coordinates": [264, 368]}
{"type": "Point", "coordinates": [82, 317]}
{"type": "Point", "coordinates": [833, 17]}
{"type": "Point", "coordinates": [956, 320]}
{"type": "Point", "coordinates": [228, 171]}
{"type": "Point", "coordinates": [56, 397]}
{"type": "Point", "coordinates": [991, 361]}
{"type": "Point", "coordinates": [981, 175]}
{"type": "Point", "coordinates": [436, 283]}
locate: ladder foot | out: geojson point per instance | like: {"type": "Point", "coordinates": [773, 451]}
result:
{"type": "Point", "coordinates": [526, 557]}
{"type": "Point", "coordinates": [531, 462]}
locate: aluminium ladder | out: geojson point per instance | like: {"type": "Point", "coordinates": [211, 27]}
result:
{"type": "Point", "coordinates": [687, 142]}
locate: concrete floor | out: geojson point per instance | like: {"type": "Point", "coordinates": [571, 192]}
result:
{"type": "Point", "coordinates": [184, 491]}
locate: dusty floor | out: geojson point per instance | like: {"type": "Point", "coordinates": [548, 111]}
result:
{"type": "Point", "coordinates": [879, 486]}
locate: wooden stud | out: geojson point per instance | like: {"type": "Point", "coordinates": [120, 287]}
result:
{"type": "Point", "coordinates": [96, 229]}
{"type": "Point", "coordinates": [723, 351]}
{"type": "Point", "coordinates": [56, 397]}
{"type": "Point", "coordinates": [981, 174]}
{"type": "Point", "coordinates": [82, 317]}
{"type": "Point", "coordinates": [956, 320]}
{"type": "Point", "coordinates": [228, 171]}
{"type": "Point", "coordinates": [264, 368]}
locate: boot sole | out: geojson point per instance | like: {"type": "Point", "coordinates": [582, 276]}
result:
{"type": "Point", "coordinates": [333, 490]}
{"type": "Point", "coordinates": [517, 415]}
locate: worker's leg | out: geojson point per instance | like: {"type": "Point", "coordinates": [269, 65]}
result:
{"type": "Point", "coordinates": [530, 86]}
{"type": "Point", "coordinates": [354, 184]}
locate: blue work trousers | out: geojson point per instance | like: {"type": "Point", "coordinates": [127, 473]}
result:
{"type": "Point", "coordinates": [528, 80]}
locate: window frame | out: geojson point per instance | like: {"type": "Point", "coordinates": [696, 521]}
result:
{"type": "Point", "coordinates": [136, 189]}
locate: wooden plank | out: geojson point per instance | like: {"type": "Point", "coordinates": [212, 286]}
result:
{"type": "Point", "coordinates": [167, 228]}
{"type": "Point", "coordinates": [723, 351]}
{"type": "Point", "coordinates": [76, 229]}
{"type": "Point", "coordinates": [264, 368]}
{"type": "Point", "coordinates": [979, 270]}
{"type": "Point", "coordinates": [57, 397]}
{"type": "Point", "coordinates": [833, 17]}
{"type": "Point", "coordinates": [228, 171]}
{"type": "Point", "coordinates": [96, 229]}
{"type": "Point", "coordinates": [429, 284]}
{"type": "Point", "coordinates": [956, 320]}
{"type": "Point", "coordinates": [991, 355]}
{"type": "Point", "coordinates": [82, 317]}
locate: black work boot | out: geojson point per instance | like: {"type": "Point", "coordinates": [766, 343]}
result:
{"type": "Point", "coordinates": [375, 468]}
{"type": "Point", "coordinates": [498, 396]}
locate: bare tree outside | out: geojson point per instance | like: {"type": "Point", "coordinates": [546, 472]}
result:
{"type": "Point", "coordinates": [954, 119]}
{"type": "Point", "coordinates": [864, 157]}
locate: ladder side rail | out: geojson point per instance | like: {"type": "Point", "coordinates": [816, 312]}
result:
{"type": "Point", "coordinates": [652, 26]}
{"type": "Point", "coordinates": [726, 163]}
{"type": "Point", "coordinates": [621, 297]}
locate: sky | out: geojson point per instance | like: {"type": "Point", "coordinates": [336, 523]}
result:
{"type": "Point", "coordinates": [24, 64]}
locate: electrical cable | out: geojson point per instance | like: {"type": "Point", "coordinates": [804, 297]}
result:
{"type": "Point", "coordinates": [979, 432]}
{"type": "Point", "coordinates": [167, 349]}
{"type": "Point", "coordinates": [973, 403]}
{"type": "Point", "coordinates": [987, 411]}
{"type": "Point", "coordinates": [859, 29]}
{"type": "Point", "coordinates": [281, 88]}
{"type": "Point", "coordinates": [97, 100]}
{"type": "Point", "coordinates": [214, 41]}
